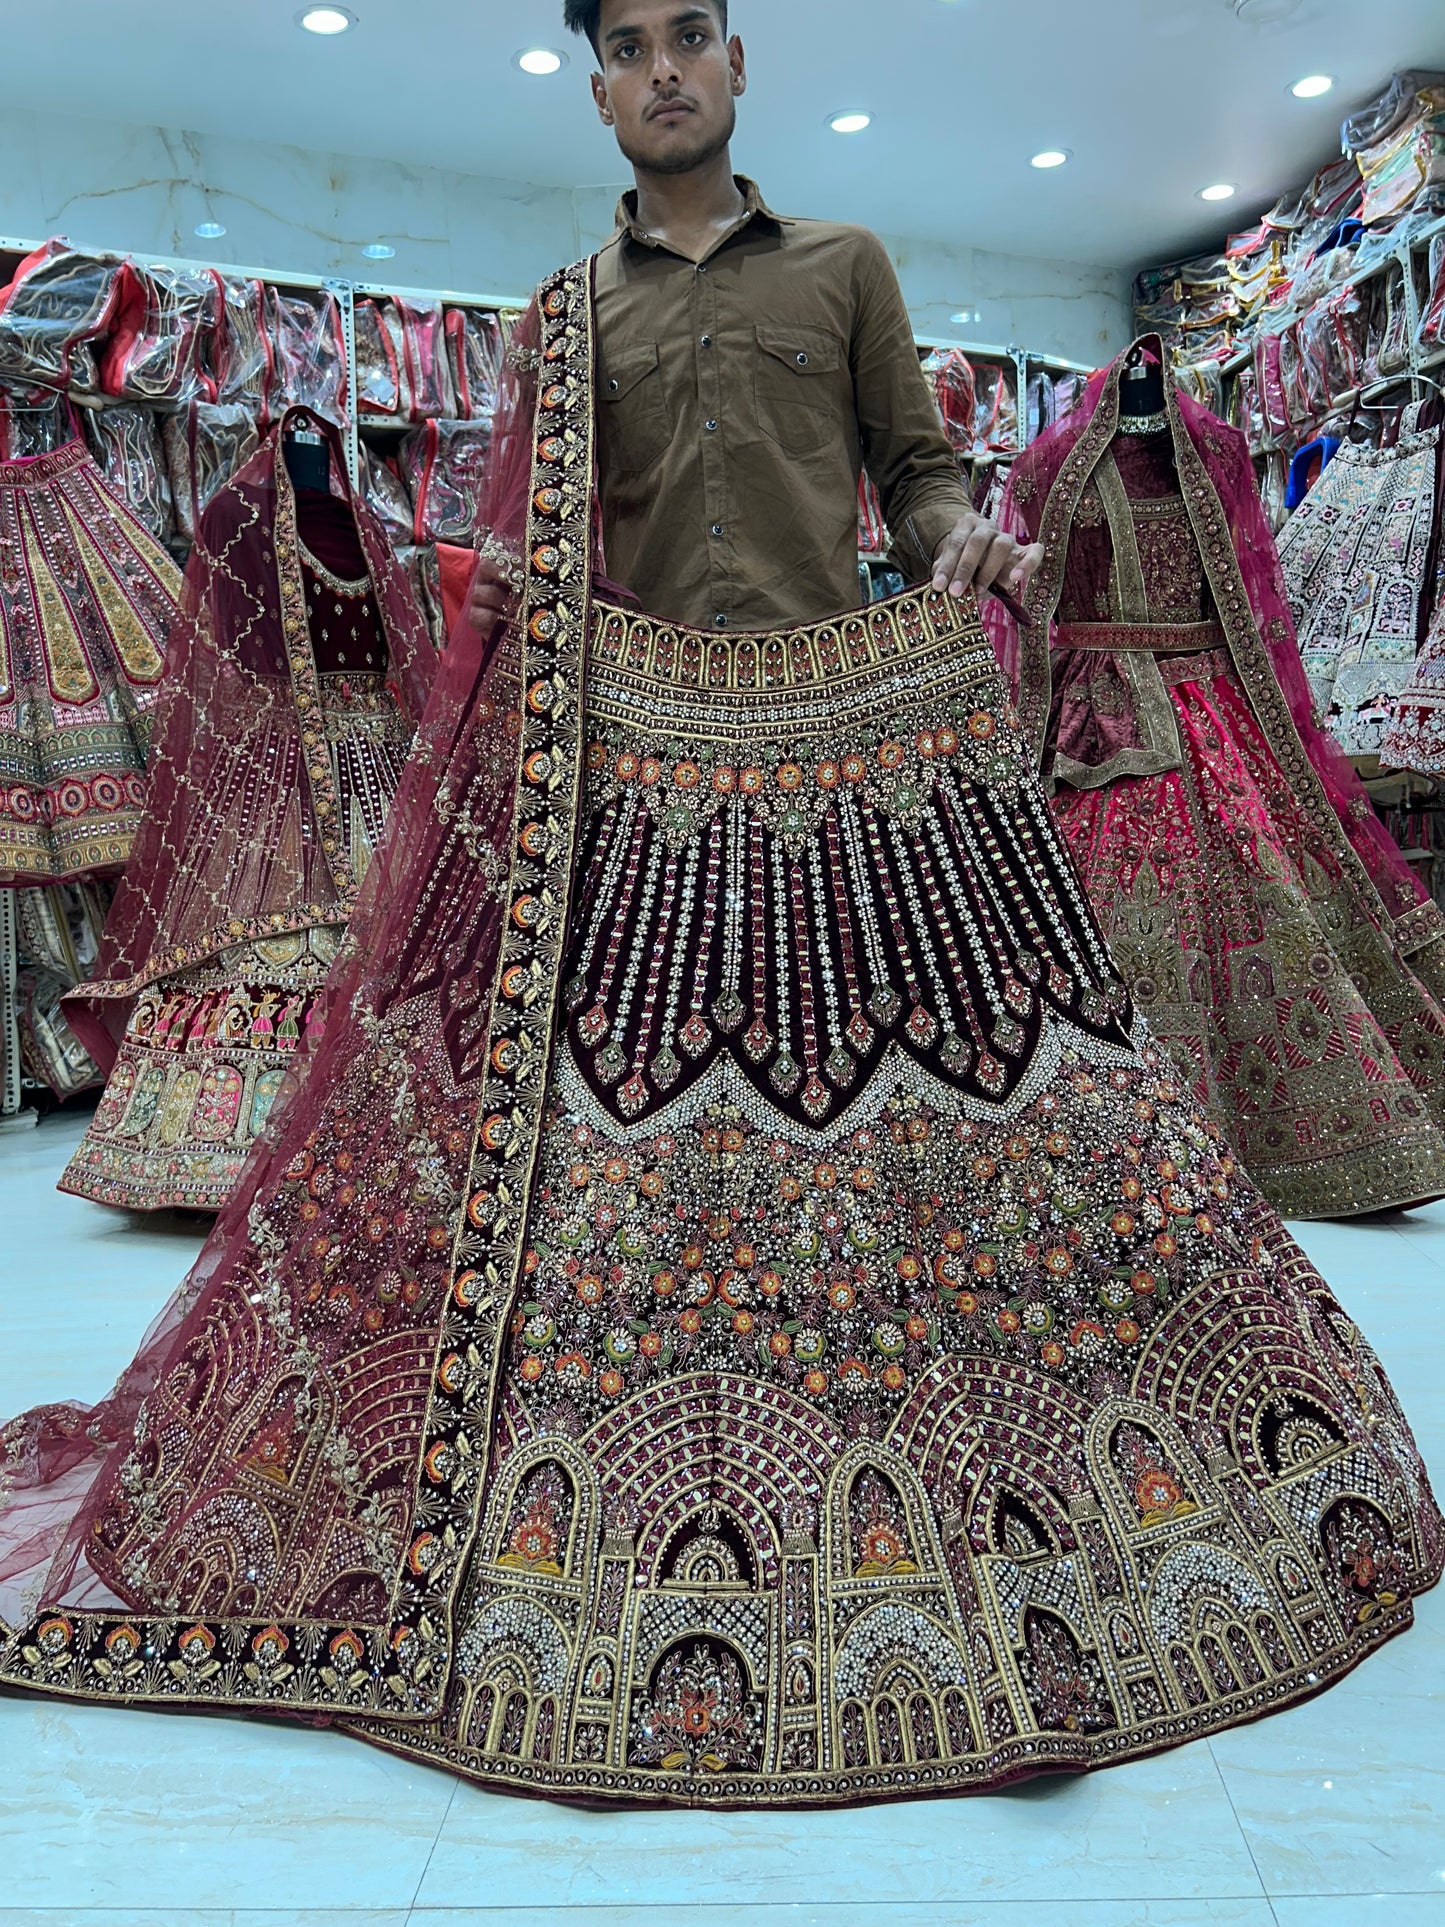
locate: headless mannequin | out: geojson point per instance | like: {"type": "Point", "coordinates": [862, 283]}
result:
{"type": "Point", "coordinates": [308, 461]}
{"type": "Point", "coordinates": [1141, 386]}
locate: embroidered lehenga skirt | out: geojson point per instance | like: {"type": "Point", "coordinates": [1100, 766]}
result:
{"type": "Point", "coordinates": [907, 1390]}
{"type": "Point", "coordinates": [206, 1048]}
{"type": "Point", "coordinates": [1296, 1023]}
{"type": "Point", "coordinates": [87, 597]}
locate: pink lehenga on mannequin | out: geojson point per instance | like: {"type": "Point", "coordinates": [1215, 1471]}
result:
{"type": "Point", "coordinates": [296, 682]}
{"type": "Point", "coordinates": [735, 1311]}
{"type": "Point", "coordinates": [1269, 929]}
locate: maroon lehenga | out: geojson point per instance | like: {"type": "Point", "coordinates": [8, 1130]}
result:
{"type": "Point", "coordinates": [736, 1310]}
{"type": "Point", "coordinates": [294, 692]}
{"type": "Point", "coordinates": [1269, 931]}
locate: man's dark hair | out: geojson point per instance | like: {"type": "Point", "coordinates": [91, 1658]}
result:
{"type": "Point", "coordinates": [585, 16]}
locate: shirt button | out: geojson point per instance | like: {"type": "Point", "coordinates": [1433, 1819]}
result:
{"type": "Point", "coordinates": [711, 427]}
{"type": "Point", "coordinates": [717, 528]}
{"type": "Point", "coordinates": [802, 361]}
{"type": "Point", "coordinates": [707, 341]}
{"type": "Point", "coordinates": [702, 267]}
{"type": "Point", "coordinates": [720, 622]}
{"type": "Point", "coordinates": [613, 386]}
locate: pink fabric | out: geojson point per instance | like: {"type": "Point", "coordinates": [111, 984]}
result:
{"type": "Point", "coordinates": [1226, 460]}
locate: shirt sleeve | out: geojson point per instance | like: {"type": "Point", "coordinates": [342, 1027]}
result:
{"type": "Point", "coordinates": [904, 447]}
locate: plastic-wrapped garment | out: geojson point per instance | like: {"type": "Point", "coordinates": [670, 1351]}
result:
{"type": "Point", "coordinates": [33, 422]}
{"type": "Point", "coordinates": [1387, 343]}
{"type": "Point", "coordinates": [441, 463]}
{"type": "Point", "coordinates": [476, 342]}
{"type": "Point", "coordinates": [1387, 113]}
{"type": "Point", "coordinates": [1273, 486]}
{"type": "Point", "coordinates": [310, 353]}
{"type": "Point", "coordinates": [1400, 165]}
{"type": "Point", "coordinates": [59, 930]}
{"type": "Point", "coordinates": [950, 374]}
{"type": "Point", "coordinates": [1354, 556]}
{"type": "Point", "coordinates": [426, 379]}
{"type": "Point", "coordinates": [243, 361]}
{"type": "Point", "coordinates": [58, 305]}
{"type": "Point", "coordinates": [872, 534]}
{"type": "Point", "coordinates": [1432, 318]}
{"type": "Point", "coordinates": [1202, 381]}
{"type": "Point", "coordinates": [126, 444]}
{"type": "Point", "coordinates": [1330, 342]}
{"type": "Point", "coordinates": [378, 367]}
{"type": "Point", "coordinates": [384, 493]}
{"type": "Point", "coordinates": [161, 335]}
{"type": "Point", "coordinates": [995, 408]}
{"type": "Point", "coordinates": [204, 446]}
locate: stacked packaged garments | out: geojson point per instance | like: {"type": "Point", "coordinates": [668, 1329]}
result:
{"type": "Point", "coordinates": [1401, 150]}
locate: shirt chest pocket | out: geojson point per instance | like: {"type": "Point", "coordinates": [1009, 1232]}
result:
{"type": "Point", "coordinates": [798, 376]}
{"type": "Point", "coordinates": [633, 416]}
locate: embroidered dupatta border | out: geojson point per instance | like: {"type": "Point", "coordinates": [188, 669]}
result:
{"type": "Point", "coordinates": [400, 1669]}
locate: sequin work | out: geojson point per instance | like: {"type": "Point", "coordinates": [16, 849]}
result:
{"type": "Point", "coordinates": [797, 1344]}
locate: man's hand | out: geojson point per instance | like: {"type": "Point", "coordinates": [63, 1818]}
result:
{"type": "Point", "coordinates": [492, 599]}
{"type": "Point", "coordinates": [975, 554]}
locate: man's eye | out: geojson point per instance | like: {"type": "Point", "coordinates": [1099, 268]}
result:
{"type": "Point", "coordinates": [694, 37]}
{"type": "Point", "coordinates": [626, 50]}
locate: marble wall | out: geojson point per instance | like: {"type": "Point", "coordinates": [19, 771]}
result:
{"type": "Point", "coordinates": [144, 189]}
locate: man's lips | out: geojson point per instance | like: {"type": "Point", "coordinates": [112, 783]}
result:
{"type": "Point", "coordinates": [670, 110]}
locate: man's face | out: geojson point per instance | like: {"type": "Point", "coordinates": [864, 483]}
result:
{"type": "Point", "coordinates": [669, 82]}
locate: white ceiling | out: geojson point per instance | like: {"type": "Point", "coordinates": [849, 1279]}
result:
{"type": "Point", "coordinates": [1155, 98]}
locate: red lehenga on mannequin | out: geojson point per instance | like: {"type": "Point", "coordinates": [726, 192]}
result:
{"type": "Point", "coordinates": [296, 684]}
{"type": "Point", "coordinates": [735, 1312]}
{"type": "Point", "coordinates": [1270, 931]}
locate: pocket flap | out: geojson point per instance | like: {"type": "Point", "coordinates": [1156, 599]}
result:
{"type": "Point", "coordinates": [625, 369]}
{"type": "Point", "coordinates": [807, 351]}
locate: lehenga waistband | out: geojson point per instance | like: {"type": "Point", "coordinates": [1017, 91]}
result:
{"type": "Point", "coordinates": [1159, 638]}
{"type": "Point", "coordinates": [913, 646]}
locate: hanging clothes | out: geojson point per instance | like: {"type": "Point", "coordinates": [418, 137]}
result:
{"type": "Point", "coordinates": [738, 1313]}
{"type": "Point", "coordinates": [1269, 929]}
{"type": "Point", "coordinates": [87, 599]}
{"type": "Point", "coordinates": [298, 679]}
{"type": "Point", "coordinates": [1355, 555]}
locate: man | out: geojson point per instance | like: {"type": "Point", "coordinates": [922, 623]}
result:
{"type": "Point", "coordinates": [749, 366]}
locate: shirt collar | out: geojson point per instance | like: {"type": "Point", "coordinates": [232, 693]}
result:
{"type": "Point", "coordinates": [754, 208]}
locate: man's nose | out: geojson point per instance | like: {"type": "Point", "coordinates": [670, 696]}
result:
{"type": "Point", "coordinates": [664, 70]}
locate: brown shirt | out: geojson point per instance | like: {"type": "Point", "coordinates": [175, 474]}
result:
{"type": "Point", "coordinates": [738, 400]}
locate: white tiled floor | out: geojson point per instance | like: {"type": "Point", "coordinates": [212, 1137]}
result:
{"type": "Point", "coordinates": [1329, 1815]}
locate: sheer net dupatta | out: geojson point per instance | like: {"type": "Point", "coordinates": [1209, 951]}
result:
{"type": "Point", "coordinates": [243, 836]}
{"type": "Point", "coordinates": [1241, 564]}
{"type": "Point", "coordinates": [280, 1490]}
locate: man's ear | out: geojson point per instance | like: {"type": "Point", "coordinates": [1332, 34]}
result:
{"type": "Point", "coordinates": [604, 105]}
{"type": "Point", "coordinates": [737, 60]}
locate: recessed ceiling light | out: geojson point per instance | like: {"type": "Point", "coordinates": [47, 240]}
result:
{"type": "Point", "coordinates": [1051, 157]}
{"type": "Point", "coordinates": [1312, 86]}
{"type": "Point", "coordinates": [850, 123]}
{"type": "Point", "coordinates": [541, 60]}
{"type": "Point", "coordinates": [210, 230]}
{"type": "Point", "coordinates": [1221, 191]}
{"type": "Point", "coordinates": [965, 316]}
{"type": "Point", "coordinates": [325, 20]}
{"type": "Point", "coordinates": [378, 251]}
